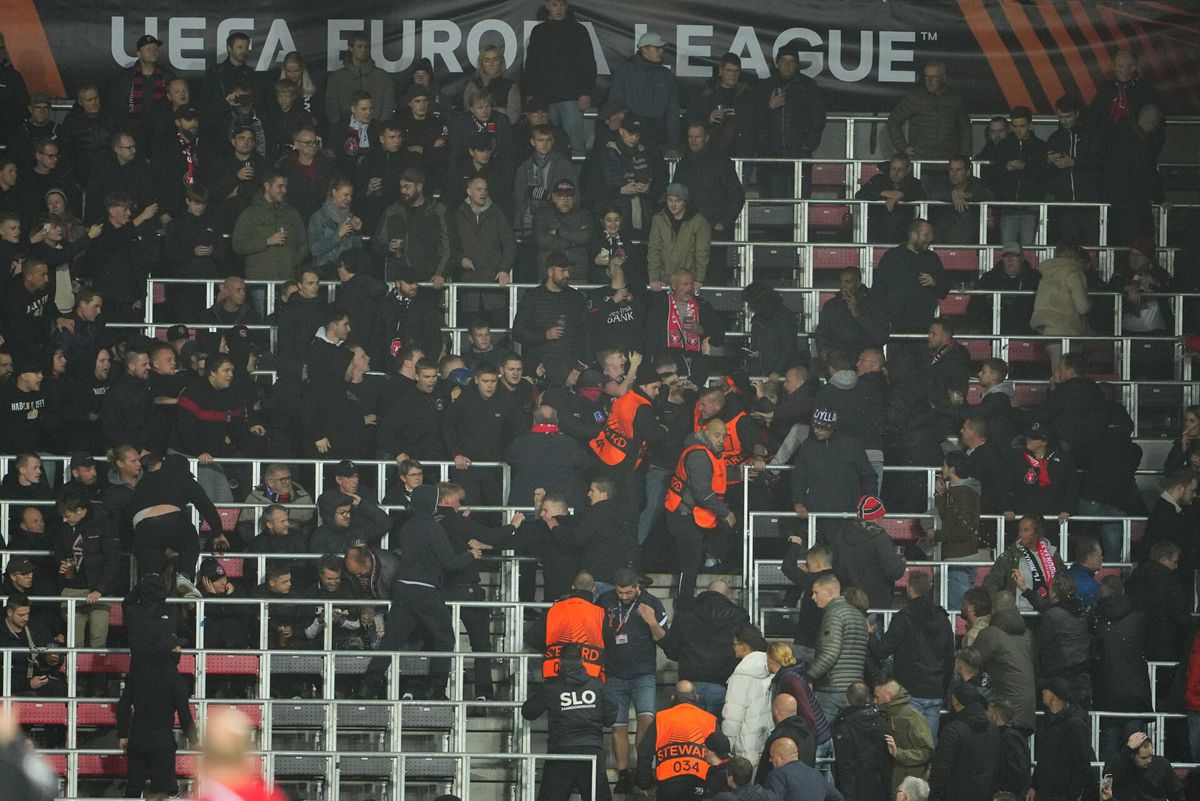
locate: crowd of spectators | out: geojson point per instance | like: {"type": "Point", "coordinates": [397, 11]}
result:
{"type": "Point", "coordinates": [599, 401]}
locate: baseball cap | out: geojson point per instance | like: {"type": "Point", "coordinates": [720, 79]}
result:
{"type": "Point", "coordinates": [177, 332]}
{"type": "Point", "coordinates": [460, 377]}
{"type": "Point", "coordinates": [651, 39]}
{"type": "Point", "coordinates": [147, 39]}
{"type": "Point", "coordinates": [187, 112]}
{"type": "Point", "coordinates": [564, 187]}
{"type": "Point", "coordinates": [211, 569]}
{"type": "Point", "coordinates": [718, 743]}
{"type": "Point", "coordinates": [19, 565]}
{"type": "Point", "coordinates": [81, 459]}
{"type": "Point", "coordinates": [1035, 432]}
{"type": "Point", "coordinates": [345, 469]}
{"type": "Point", "coordinates": [631, 123]}
{"type": "Point", "coordinates": [870, 508]}
{"type": "Point", "coordinates": [1013, 248]}
{"type": "Point", "coordinates": [1060, 687]}
{"type": "Point", "coordinates": [647, 374]}
{"type": "Point", "coordinates": [590, 379]}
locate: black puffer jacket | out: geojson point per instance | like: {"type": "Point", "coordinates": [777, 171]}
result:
{"type": "Point", "coordinates": [1064, 756]}
{"type": "Point", "coordinates": [863, 768]}
{"type": "Point", "coordinates": [1063, 640]}
{"type": "Point", "coordinates": [1121, 682]}
{"type": "Point", "coordinates": [580, 708]}
{"type": "Point", "coordinates": [700, 638]}
{"type": "Point", "coordinates": [921, 642]}
{"type": "Point", "coordinates": [964, 763]}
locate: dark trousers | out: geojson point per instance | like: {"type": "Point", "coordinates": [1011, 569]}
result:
{"type": "Point", "coordinates": [484, 486]}
{"type": "Point", "coordinates": [691, 543]}
{"type": "Point", "coordinates": [477, 622]}
{"type": "Point", "coordinates": [417, 611]}
{"type": "Point", "coordinates": [683, 788]}
{"type": "Point", "coordinates": [153, 536]}
{"type": "Point", "coordinates": [561, 778]}
{"type": "Point", "coordinates": [151, 756]}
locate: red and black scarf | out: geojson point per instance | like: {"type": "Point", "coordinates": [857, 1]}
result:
{"type": "Point", "coordinates": [137, 89]}
{"type": "Point", "coordinates": [188, 149]}
{"type": "Point", "coordinates": [677, 336]}
{"type": "Point", "coordinates": [1041, 566]}
{"type": "Point", "coordinates": [1037, 470]}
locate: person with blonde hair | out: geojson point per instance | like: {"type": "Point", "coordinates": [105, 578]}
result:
{"type": "Point", "coordinates": [788, 676]}
{"type": "Point", "coordinates": [489, 77]}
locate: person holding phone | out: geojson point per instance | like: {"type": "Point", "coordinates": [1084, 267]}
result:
{"type": "Point", "coordinates": [1137, 772]}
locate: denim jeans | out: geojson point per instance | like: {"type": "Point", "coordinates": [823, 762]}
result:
{"type": "Point", "coordinates": [657, 480]}
{"type": "Point", "coordinates": [958, 581]}
{"type": "Point", "coordinates": [1018, 226]}
{"type": "Point", "coordinates": [831, 702]}
{"type": "Point", "coordinates": [1110, 533]}
{"type": "Point", "coordinates": [566, 115]}
{"type": "Point", "coordinates": [711, 697]}
{"type": "Point", "coordinates": [931, 708]}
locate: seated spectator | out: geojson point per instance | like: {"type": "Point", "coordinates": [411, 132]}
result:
{"type": "Point", "coordinates": [679, 240]}
{"type": "Point", "coordinates": [1138, 771]}
{"type": "Point", "coordinates": [561, 226]}
{"type": "Point", "coordinates": [1155, 589]}
{"type": "Point", "coordinates": [893, 185]}
{"type": "Point", "coordinates": [1012, 274]}
{"type": "Point", "coordinates": [276, 534]}
{"type": "Point", "coordinates": [958, 223]}
{"type": "Point", "coordinates": [1021, 172]}
{"type": "Point", "coordinates": [994, 134]}
{"type": "Point", "coordinates": [851, 321]}
{"type": "Point", "coordinates": [279, 487]}
{"type": "Point", "coordinates": [34, 672]}
{"type": "Point", "coordinates": [1141, 315]}
{"type": "Point", "coordinates": [482, 346]}
{"type": "Point", "coordinates": [290, 626]}
{"type": "Point", "coordinates": [936, 116]}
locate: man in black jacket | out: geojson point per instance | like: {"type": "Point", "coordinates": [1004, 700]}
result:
{"type": "Point", "coordinates": [549, 323]}
{"type": "Point", "coordinates": [1043, 479]}
{"type": "Point", "coordinates": [989, 464]}
{"type": "Point", "coordinates": [477, 428]}
{"type": "Point", "coordinates": [580, 708]}
{"type": "Point", "coordinates": [1138, 773]}
{"type": "Point", "coordinates": [88, 552]}
{"type": "Point", "coordinates": [1012, 754]}
{"type": "Point", "coordinates": [418, 605]}
{"type": "Point", "coordinates": [700, 640]}
{"type": "Point", "coordinates": [790, 724]}
{"type": "Point", "coordinates": [408, 315]}
{"type": "Point", "coordinates": [851, 321]}
{"type": "Point", "coordinates": [795, 118]}
{"type": "Point", "coordinates": [1076, 412]}
{"type": "Point", "coordinates": [714, 192]}
{"type": "Point", "coordinates": [299, 315]}
{"type": "Point", "coordinates": [897, 187]}
{"type": "Point", "coordinates": [1155, 589]}
{"type": "Point", "coordinates": [863, 768]}
{"type": "Point", "coordinates": [597, 539]}
{"type": "Point", "coordinates": [1064, 753]}
{"type": "Point", "coordinates": [964, 761]}
{"type": "Point", "coordinates": [413, 418]}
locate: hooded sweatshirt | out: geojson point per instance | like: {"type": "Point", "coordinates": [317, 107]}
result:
{"type": "Point", "coordinates": [858, 405]}
{"type": "Point", "coordinates": [922, 641]}
{"type": "Point", "coordinates": [425, 550]}
{"type": "Point", "coordinates": [964, 763]}
{"type": "Point", "coordinates": [580, 708]}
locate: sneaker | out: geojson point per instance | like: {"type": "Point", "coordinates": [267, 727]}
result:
{"type": "Point", "coordinates": [406, 697]}
{"type": "Point", "coordinates": [185, 587]}
{"type": "Point", "coordinates": [711, 562]}
{"type": "Point", "coordinates": [624, 781]}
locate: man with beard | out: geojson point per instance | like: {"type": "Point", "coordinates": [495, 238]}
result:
{"type": "Point", "coordinates": [177, 163]}
{"type": "Point", "coordinates": [231, 179]}
{"type": "Point", "coordinates": [413, 232]}
{"type": "Point", "coordinates": [549, 321]}
{"type": "Point", "coordinates": [88, 383]}
{"type": "Point", "coordinates": [409, 315]}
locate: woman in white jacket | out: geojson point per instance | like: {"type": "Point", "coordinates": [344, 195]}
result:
{"type": "Point", "coordinates": [746, 718]}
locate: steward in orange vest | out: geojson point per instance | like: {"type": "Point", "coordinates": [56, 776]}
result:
{"type": "Point", "coordinates": [673, 747]}
{"type": "Point", "coordinates": [697, 513]}
{"type": "Point", "coordinates": [631, 424]}
{"type": "Point", "coordinates": [574, 618]}
{"type": "Point", "coordinates": [742, 432]}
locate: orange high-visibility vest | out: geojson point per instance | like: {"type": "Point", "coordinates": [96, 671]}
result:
{"type": "Point", "coordinates": [704, 518]}
{"type": "Point", "coordinates": [731, 453]}
{"type": "Point", "coordinates": [679, 735]}
{"type": "Point", "coordinates": [615, 443]}
{"type": "Point", "coordinates": [575, 620]}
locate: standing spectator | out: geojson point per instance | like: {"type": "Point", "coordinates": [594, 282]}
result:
{"type": "Point", "coordinates": [1131, 179]}
{"type": "Point", "coordinates": [535, 181]}
{"type": "Point", "coordinates": [956, 501]}
{"type": "Point", "coordinates": [49, 172]}
{"type": "Point", "coordinates": [679, 240]}
{"type": "Point", "coordinates": [1089, 558]}
{"type": "Point", "coordinates": [1170, 520]}
{"type": "Point", "coordinates": [482, 250]}
{"type": "Point", "coordinates": [358, 74]}
{"type": "Point", "coordinates": [1074, 152]}
{"type": "Point", "coordinates": [490, 67]}
{"type": "Point", "coordinates": [791, 678]}
{"type": "Point", "coordinates": [862, 769]}
{"type": "Point", "coordinates": [1006, 646]}
{"type": "Point", "coordinates": [290, 112]}
{"type": "Point", "coordinates": [119, 260]}
{"type": "Point", "coordinates": [909, 282]}
{"type": "Point", "coordinates": [412, 418]}
{"type": "Point", "coordinates": [141, 88]}
{"type": "Point", "coordinates": [715, 193]}
{"type": "Point", "coordinates": [154, 695]}
{"type": "Point", "coordinates": [560, 68]}
{"type": "Point", "coordinates": [1033, 557]}
{"type": "Point", "coordinates": [632, 174]}
{"type": "Point", "coordinates": [700, 640]}
{"type": "Point", "coordinates": [685, 326]}
{"type": "Point", "coordinates": [792, 779]}
{"type": "Point", "coordinates": [377, 183]}
{"type": "Point", "coordinates": [478, 426]}
{"type": "Point", "coordinates": [481, 117]}
{"type": "Point", "coordinates": [179, 161]}
{"type": "Point", "coordinates": [87, 551]}
{"type": "Point", "coordinates": [580, 707]}
{"type": "Point", "coordinates": [920, 641]}
{"type": "Point", "coordinates": [547, 458]}
{"type": "Point", "coordinates": [634, 622]}
{"type": "Point", "coordinates": [646, 87]}
{"type": "Point", "coordinates": [1123, 97]}
{"type": "Point", "coordinates": [298, 317]}
{"type": "Point", "coordinates": [1064, 752]}
{"type": "Point", "coordinates": [858, 402]}
{"type": "Point", "coordinates": [28, 315]}
{"type": "Point", "coordinates": [795, 120]}
{"type": "Point", "coordinates": [729, 105]}
{"type": "Point", "coordinates": [14, 98]}
{"type": "Point", "coordinates": [746, 715]}
{"type": "Point", "coordinates": [894, 186]}
{"type": "Point", "coordinates": [910, 742]}
{"type": "Point", "coordinates": [269, 234]}
{"type": "Point", "coordinates": [1012, 753]}
{"type": "Point", "coordinates": [1021, 172]}
{"type": "Point", "coordinates": [958, 223]}
{"type": "Point", "coordinates": [773, 334]}
{"type": "Point", "coordinates": [353, 144]}
{"type": "Point", "coordinates": [86, 132]}
{"type": "Point", "coordinates": [1077, 410]}
{"type": "Point", "coordinates": [699, 520]}
{"type": "Point", "coordinates": [414, 233]}
{"type": "Point", "coordinates": [23, 409]}
{"type": "Point", "coordinates": [615, 315]}
{"type": "Point", "coordinates": [1122, 677]}
{"type": "Point", "coordinates": [549, 321]}
{"type": "Point", "coordinates": [949, 367]}
{"type": "Point", "coordinates": [964, 762]}
{"type": "Point", "coordinates": [1155, 589]}
{"type": "Point", "coordinates": [562, 226]}
{"type": "Point", "coordinates": [1142, 315]}
{"type": "Point", "coordinates": [789, 724]}
{"type": "Point", "coordinates": [334, 230]}
{"type": "Point", "coordinates": [35, 671]}
{"type": "Point", "coordinates": [1044, 480]}
{"type": "Point", "coordinates": [1013, 273]}
{"type": "Point", "coordinates": [830, 471]}
{"type": "Point", "coordinates": [865, 556]}
{"type": "Point", "coordinates": [672, 752]}
{"type": "Point", "coordinates": [1138, 773]}
{"type": "Point", "coordinates": [841, 649]}
{"type": "Point", "coordinates": [425, 133]}
{"type": "Point", "coordinates": [219, 88]}
{"type": "Point", "coordinates": [1062, 638]}
{"type": "Point", "coordinates": [852, 320]}
{"type": "Point", "coordinates": [938, 125]}
{"type": "Point", "coordinates": [308, 172]}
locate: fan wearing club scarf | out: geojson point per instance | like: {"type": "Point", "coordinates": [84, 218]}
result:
{"type": "Point", "coordinates": [1044, 480]}
{"type": "Point", "coordinates": [1034, 559]}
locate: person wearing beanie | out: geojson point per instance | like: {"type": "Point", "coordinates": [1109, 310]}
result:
{"type": "Point", "coordinates": [425, 132]}
{"type": "Point", "coordinates": [719, 756]}
{"type": "Point", "coordinates": [865, 556]}
{"type": "Point", "coordinates": [794, 110]}
{"type": "Point", "coordinates": [830, 471]}
{"type": "Point", "coordinates": [679, 240]}
{"type": "Point", "coordinates": [1140, 315]}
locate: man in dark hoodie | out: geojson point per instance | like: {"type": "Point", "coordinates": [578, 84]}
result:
{"type": "Point", "coordinates": [964, 761]}
{"type": "Point", "coordinates": [560, 69]}
{"type": "Point", "coordinates": [418, 605]}
{"type": "Point", "coordinates": [1063, 754]}
{"type": "Point", "coordinates": [865, 556]}
{"type": "Point", "coordinates": [830, 470]}
{"type": "Point", "coordinates": [863, 768]}
{"type": "Point", "coordinates": [580, 708]}
{"type": "Point", "coordinates": [921, 641]}
{"type": "Point", "coordinates": [347, 521]}
{"type": "Point", "coordinates": [858, 404]}
{"type": "Point", "coordinates": [700, 638]}
{"type": "Point", "coordinates": [1062, 637]}
{"type": "Point", "coordinates": [1138, 774]}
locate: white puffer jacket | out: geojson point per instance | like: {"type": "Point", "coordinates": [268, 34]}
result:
{"type": "Point", "coordinates": [746, 717]}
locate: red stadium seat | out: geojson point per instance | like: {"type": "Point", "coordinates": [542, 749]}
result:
{"type": "Point", "coordinates": [824, 298]}
{"type": "Point", "coordinates": [187, 665]}
{"type": "Point", "coordinates": [1028, 396]}
{"type": "Point", "coordinates": [113, 765]}
{"type": "Point", "coordinates": [834, 258]}
{"type": "Point", "coordinates": [974, 394]}
{"type": "Point", "coordinates": [1025, 351]}
{"type": "Point", "coordinates": [96, 714]}
{"type": "Point", "coordinates": [959, 259]}
{"type": "Point", "coordinates": [58, 763]}
{"type": "Point", "coordinates": [229, 520]}
{"type": "Point", "coordinates": [231, 664]}
{"type": "Point", "coordinates": [979, 349]}
{"type": "Point", "coordinates": [822, 215]}
{"type": "Point", "coordinates": [867, 172]}
{"type": "Point", "coordinates": [116, 615]}
{"type": "Point", "coordinates": [36, 713]}
{"type": "Point", "coordinates": [234, 568]}
{"type": "Point", "coordinates": [902, 529]}
{"type": "Point", "coordinates": [103, 663]}
{"type": "Point", "coordinates": [253, 711]}
{"type": "Point", "coordinates": [877, 255]}
{"type": "Point", "coordinates": [828, 175]}
{"type": "Point", "coordinates": [186, 764]}
{"type": "Point", "coordinates": [954, 305]}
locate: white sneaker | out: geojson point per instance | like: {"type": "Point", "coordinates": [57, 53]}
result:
{"type": "Point", "coordinates": [406, 697]}
{"type": "Point", "coordinates": [711, 561]}
{"type": "Point", "coordinates": [186, 588]}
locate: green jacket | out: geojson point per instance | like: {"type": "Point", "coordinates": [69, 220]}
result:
{"type": "Point", "coordinates": [426, 239]}
{"type": "Point", "coordinates": [669, 250]}
{"type": "Point", "coordinates": [841, 651]}
{"type": "Point", "coordinates": [255, 225]}
{"type": "Point", "coordinates": [938, 125]}
{"type": "Point", "coordinates": [914, 740]}
{"type": "Point", "coordinates": [572, 235]}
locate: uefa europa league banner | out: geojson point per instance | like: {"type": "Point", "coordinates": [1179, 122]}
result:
{"type": "Point", "coordinates": [864, 53]}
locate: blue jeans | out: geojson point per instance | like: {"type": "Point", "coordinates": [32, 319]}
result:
{"type": "Point", "coordinates": [639, 690]}
{"type": "Point", "coordinates": [958, 581]}
{"type": "Point", "coordinates": [1018, 226]}
{"type": "Point", "coordinates": [566, 115]}
{"type": "Point", "coordinates": [931, 709]}
{"type": "Point", "coordinates": [1110, 533]}
{"type": "Point", "coordinates": [831, 702]}
{"type": "Point", "coordinates": [657, 480]}
{"type": "Point", "coordinates": [711, 697]}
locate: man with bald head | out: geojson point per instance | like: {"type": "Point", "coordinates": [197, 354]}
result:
{"type": "Point", "coordinates": [700, 640]}
{"type": "Point", "coordinates": [673, 747]}
{"type": "Point", "coordinates": [792, 780]}
{"type": "Point", "coordinates": [697, 516]}
{"type": "Point", "coordinates": [1122, 97]}
{"type": "Point", "coordinates": [789, 725]}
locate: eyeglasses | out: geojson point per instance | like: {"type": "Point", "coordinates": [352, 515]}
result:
{"type": "Point", "coordinates": [282, 479]}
